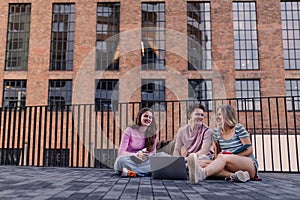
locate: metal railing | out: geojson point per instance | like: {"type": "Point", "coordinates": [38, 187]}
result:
{"type": "Point", "coordinates": [83, 136]}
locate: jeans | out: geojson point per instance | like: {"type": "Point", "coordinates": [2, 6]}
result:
{"type": "Point", "coordinates": [142, 169]}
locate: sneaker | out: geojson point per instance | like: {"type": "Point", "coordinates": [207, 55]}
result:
{"type": "Point", "coordinates": [127, 173]}
{"type": "Point", "coordinates": [240, 176]}
{"type": "Point", "coordinates": [196, 173]}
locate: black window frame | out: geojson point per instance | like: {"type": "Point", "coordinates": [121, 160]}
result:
{"type": "Point", "coordinates": [62, 37]}
{"type": "Point", "coordinates": [248, 97]}
{"type": "Point", "coordinates": [290, 19]}
{"type": "Point", "coordinates": [109, 88]}
{"type": "Point", "coordinates": [18, 32]}
{"type": "Point", "coordinates": [14, 93]}
{"type": "Point", "coordinates": [246, 54]}
{"type": "Point", "coordinates": [154, 88]}
{"type": "Point", "coordinates": [199, 36]}
{"type": "Point", "coordinates": [107, 36]}
{"type": "Point", "coordinates": [293, 94]}
{"type": "Point", "coordinates": [56, 100]}
{"type": "Point", "coordinates": [153, 50]}
{"type": "Point", "coordinates": [202, 91]}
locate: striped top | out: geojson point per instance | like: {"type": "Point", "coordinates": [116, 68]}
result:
{"type": "Point", "coordinates": [234, 142]}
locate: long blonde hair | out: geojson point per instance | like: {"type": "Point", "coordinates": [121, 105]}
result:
{"type": "Point", "coordinates": [228, 115]}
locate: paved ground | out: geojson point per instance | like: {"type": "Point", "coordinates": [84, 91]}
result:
{"type": "Point", "coordinates": [87, 183]}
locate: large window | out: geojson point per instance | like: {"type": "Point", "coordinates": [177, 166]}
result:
{"type": "Point", "coordinates": [108, 29]}
{"type": "Point", "coordinates": [154, 94]}
{"type": "Point", "coordinates": [153, 36]}
{"type": "Point", "coordinates": [248, 95]}
{"type": "Point", "coordinates": [18, 37]}
{"type": "Point", "coordinates": [106, 95]}
{"type": "Point", "coordinates": [14, 93]}
{"type": "Point", "coordinates": [60, 94]}
{"type": "Point", "coordinates": [201, 90]}
{"type": "Point", "coordinates": [245, 36]}
{"type": "Point", "coordinates": [199, 36]}
{"type": "Point", "coordinates": [290, 20]}
{"type": "Point", "coordinates": [293, 94]}
{"type": "Point", "coordinates": [62, 37]}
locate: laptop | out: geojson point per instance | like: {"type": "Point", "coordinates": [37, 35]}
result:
{"type": "Point", "coordinates": [168, 167]}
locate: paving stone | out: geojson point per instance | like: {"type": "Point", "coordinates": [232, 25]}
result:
{"type": "Point", "coordinates": [38, 183]}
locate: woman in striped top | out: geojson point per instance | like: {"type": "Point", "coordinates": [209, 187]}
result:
{"type": "Point", "coordinates": [233, 161]}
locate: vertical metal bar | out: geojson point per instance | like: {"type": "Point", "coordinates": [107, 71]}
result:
{"type": "Point", "coordinates": [262, 138]}
{"type": "Point", "coordinates": [278, 128]}
{"type": "Point", "coordinates": [62, 164]}
{"type": "Point", "coordinates": [208, 111]}
{"type": "Point", "coordinates": [108, 129]}
{"type": "Point", "coordinates": [102, 135]}
{"type": "Point", "coordinates": [29, 136]}
{"type": "Point", "coordinates": [127, 112]}
{"type": "Point", "coordinates": [8, 137]}
{"type": "Point", "coordinates": [96, 155]}
{"type": "Point", "coordinates": [271, 132]}
{"type": "Point", "coordinates": [23, 137]}
{"type": "Point", "coordinates": [287, 133]}
{"type": "Point", "coordinates": [1, 133]}
{"type": "Point", "coordinates": [246, 116]}
{"type": "Point", "coordinates": [90, 135]}
{"type": "Point", "coordinates": [173, 123]}
{"type": "Point", "coordinates": [166, 124]}
{"type": "Point", "coordinates": [39, 135]}
{"type": "Point", "coordinates": [83, 136]}
{"type": "Point", "coordinates": [72, 138]}
{"type": "Point", "coordinates": [114, 134]}
{"type": "Point", "coordinates": [120, 129]}
{"type": "Point", "coordinates": [67, 152]}
{"type": "Point", "coordinates": [295, 128]}
{"type": "Point", "coordinates": [50, 136]}
{"type": "Point", "coordinates": [78, 138]}
{"type": "Point", "coordinates": [13, 147]}
{"type": "Point", "coordinates": [34, 133]}
{"type": "Point", "coordinates": [179, 111]}
{"type": "Point", "coordinates": [254, 129]}
{"type": "Point", "coordinates": [45, 135]}
{"type": "Point", "coordinates": [3, 137]}
{"type": "Point", "coordinates": [55, 135]}
{"type": "Point", "coordinates": [19, 134]}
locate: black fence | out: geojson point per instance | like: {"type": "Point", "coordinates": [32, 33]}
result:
{"type": "Point", "coordinates": [85, 136]}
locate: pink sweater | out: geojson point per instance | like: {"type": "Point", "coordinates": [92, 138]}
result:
{"type": "Point", "coordinates": [132, 141]}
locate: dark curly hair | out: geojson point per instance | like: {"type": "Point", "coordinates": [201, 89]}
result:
{"type": "Point", "coordinates": [151, 129]}
{"type": "Point", "coordinates": [192, 107]}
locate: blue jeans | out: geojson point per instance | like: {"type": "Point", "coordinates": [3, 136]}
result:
{"type": "Point", "coordinates": [142, 169]}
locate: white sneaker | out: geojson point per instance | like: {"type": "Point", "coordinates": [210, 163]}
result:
{"type": "Point", "coordinates": [196, 173]}
{"type": "Point", "coordinates": [240, 176]}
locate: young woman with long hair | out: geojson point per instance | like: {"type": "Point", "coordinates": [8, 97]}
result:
{"type": "Point", "coordinates": [138, 143]}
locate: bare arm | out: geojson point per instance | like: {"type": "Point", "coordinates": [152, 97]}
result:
{"type": "Point", "coordinates": [178, 145]}
{"type": "Point", "coordinates": [207, 144]}
{"type": "Point", "coordinates": [249, 150]}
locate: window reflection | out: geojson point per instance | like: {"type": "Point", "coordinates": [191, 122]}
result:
{"type": "Point", "coordinates": [108, 28]}
{"type": "Point", "coordinates": [245, 36]}
{"type": "Point", "coordinates": [290, 34]}
{"type": "Point", "coordinates": [153, 36]}
{"type": "Point", "coordinates": [62, 37]}
{"type": "Point", "coordinates": [18, 37]}
{"type": "Point", "coordinates": [199, 32]}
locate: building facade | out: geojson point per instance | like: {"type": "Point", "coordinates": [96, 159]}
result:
{"type": "Point", "coordinates": [99, 55]}
{"type": "Point", "coordinates": [60, 53]}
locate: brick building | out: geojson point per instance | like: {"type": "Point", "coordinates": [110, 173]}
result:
{"type": "Point", "coordinates": [59, 53]}
{"type": "Point", "coordinates": [86, 52]}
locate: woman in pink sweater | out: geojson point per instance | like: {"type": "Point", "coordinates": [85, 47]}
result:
{"type": "Point", "coordinates": [137, 144]}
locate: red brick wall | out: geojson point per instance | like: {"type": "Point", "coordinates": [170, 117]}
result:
{"type": "Point", "coordinates": [271, 74]}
